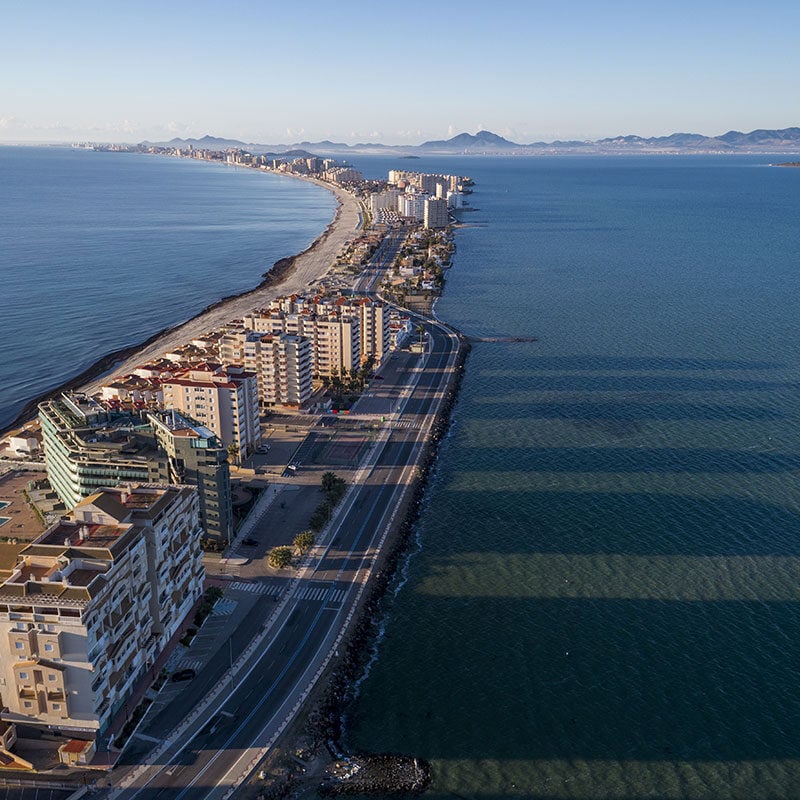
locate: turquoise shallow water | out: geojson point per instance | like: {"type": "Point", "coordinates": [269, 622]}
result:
{"type": "Point", "coordinates": [100, 250]}
{"type": "Point", "coordinates": [605, 604]}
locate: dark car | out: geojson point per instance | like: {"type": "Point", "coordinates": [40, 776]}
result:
{"type": "Point", "coordinates": [249, 542]}
{"type": "Point", "coordinates": [183, 675]}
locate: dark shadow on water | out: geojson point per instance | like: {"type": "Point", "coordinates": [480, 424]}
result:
{"type": "Point", "coordinates": [603, 522]}
{"type": "Point", "coordinates": [619, 680]}
{"type": "Point", "coordinates": [619, 415]}
{"type": "Point", "coordinates": [628, 460]}
{"type": "Point", "coordinates": [631, 384]}
{"type": "Point", "coordinates": [631, 363]}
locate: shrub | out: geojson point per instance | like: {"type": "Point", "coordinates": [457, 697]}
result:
{"type": "Point", "coordinates": [304, 541]}
{"type": "Point", "coordinates": [280, 557]}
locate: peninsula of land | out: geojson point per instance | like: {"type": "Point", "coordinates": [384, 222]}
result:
{"type": "Point", "coordinates": [314, 370]}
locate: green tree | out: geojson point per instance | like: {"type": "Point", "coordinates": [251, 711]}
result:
{"type": "Point", "coordinates": [329, 480]}
{"type": "Point", "coordinates": [280, 557]}
{"type": "Point", "coordinates": [320, 516]}
{"type": "Point", "coordinates": [233, 453]}
{"type": "Point", "coordinates": [420, 329]}
{"type": "Point", "coordinates": [304, 541]}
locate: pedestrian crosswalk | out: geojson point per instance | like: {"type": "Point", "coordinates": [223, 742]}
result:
{"type": "Point", "coordinates": [313, 591]}
{"type": "Point", "coordinates": [411, 424]}
{"type": "Point", "coordinates": [319, 593]}
{"type": "Point", "coordinates": [256, 588]}
{"type": "Point", "coordinates": [223, 608]}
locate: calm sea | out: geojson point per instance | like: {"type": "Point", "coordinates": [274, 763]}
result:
{"type": "Point", "coordinates": [100, 250]}
{"type": "Point", "coordinates": [606, 603]}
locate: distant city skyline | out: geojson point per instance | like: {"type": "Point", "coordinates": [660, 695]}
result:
{"type": "Point", "coordinates": [275, 74]}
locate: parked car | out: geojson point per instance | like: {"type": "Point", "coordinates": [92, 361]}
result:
{"type": "Point", "coordinates": [249, 542]}
{"type": "Point", "coordinates": [183, 675]}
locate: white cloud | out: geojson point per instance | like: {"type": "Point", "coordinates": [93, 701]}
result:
{"type": "Point", "coordinates": [417, 134]}
{"type": "Point", "coordinates": [11, 123]}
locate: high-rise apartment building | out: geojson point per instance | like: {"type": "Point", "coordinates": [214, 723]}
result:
{"type": "Point", "coordinates": [335, 337]}
{"type": "Point", "coordinates": [282, 362]}
{"type": "Point", "coordinates": [87, 447]}
{"type": "Point", "coordinates": [92, 603]}
{"type": "Point", "coordinates": [222, 399]}
{"type": "Point", "coordinates": [435, 215]}
{"type": "Point", "coordinates": [196, 456]}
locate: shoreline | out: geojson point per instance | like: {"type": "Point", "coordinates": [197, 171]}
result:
{"type": "Point", "coordinates": [325, 724]}
{"type": "Point", "coordinates": [220, 311]}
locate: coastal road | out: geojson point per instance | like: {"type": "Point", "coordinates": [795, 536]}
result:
{"type": "Point", "coordinates": [214, 753]}
{"type": "Point", "coordinates": [382, 259]}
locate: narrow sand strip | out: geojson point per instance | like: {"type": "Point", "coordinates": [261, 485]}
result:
{"type": "Point", "coordinates": [308, 266]}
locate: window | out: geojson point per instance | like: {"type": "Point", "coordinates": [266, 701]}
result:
{"type": "Point", "coordinates": [48, 647]}
{"type": "Point", "coordinates": [51, 676]}
{"type": "Point", "coordinates": [23, 676]}
{"type": "Point", "coordinates": [27, 704]}
{"type": "Point", "coordinates": [18, 645]}
{"type": "Point", "coordinates": [56, 706]}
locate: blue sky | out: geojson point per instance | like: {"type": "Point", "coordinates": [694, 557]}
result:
{"type": "Point", "coordinates": [399, 72]}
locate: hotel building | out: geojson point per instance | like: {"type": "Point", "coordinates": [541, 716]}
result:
{"type": "Point", "coordinates": [87, 447]}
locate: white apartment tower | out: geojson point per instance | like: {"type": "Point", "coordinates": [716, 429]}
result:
{"type": "Point", "coordinates": [281, 362]}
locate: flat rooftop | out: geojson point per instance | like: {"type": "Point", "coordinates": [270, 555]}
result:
{"type": "Point", "coordinates": [68, 534]}
{"type": "Point", "coordinates": [23, 524]}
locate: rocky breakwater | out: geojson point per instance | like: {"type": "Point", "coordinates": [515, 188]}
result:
{"type": "Point", "coordinates": [376, 774]}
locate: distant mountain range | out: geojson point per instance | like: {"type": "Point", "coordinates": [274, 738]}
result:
{"type": "Point", "coordinates": [786, 140]}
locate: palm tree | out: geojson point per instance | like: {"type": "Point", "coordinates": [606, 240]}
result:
{"type": "Point", "coordinates": [233, 452]}
{"type": "Point", "coordinates": [420, 329]}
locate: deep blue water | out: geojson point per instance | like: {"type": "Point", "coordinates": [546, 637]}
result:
{"type": "Point", "coordinates": [100, 250]}
{"type": "Point", "coordinates": [605, 603]}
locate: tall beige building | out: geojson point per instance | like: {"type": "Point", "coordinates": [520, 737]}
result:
{"type": "Point", "coordinates": [335, 336]}
{"type": "Point", "coordinates": [436, 215]}
{"type": "Point", "coordinates": [222, 399]}
{"type": "Point", "coordinates": [282, 363]}
{"type": "Point", "coordinates": [92, 603]}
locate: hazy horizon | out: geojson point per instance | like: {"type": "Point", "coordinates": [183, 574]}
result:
{"type": "Point", "coordinates": [280, 74]}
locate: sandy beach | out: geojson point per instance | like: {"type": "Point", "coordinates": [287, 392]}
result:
{"type": "Point", "coordinates": [307, 266]}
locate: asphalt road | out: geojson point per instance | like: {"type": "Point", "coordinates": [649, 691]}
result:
{"type": "Point", "coordinates": [207, 763]}
{"type": "Point", "coordinates": [381, 260]}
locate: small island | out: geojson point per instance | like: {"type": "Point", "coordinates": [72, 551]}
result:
{"type": "Point", "coordinates": [789, 164]}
